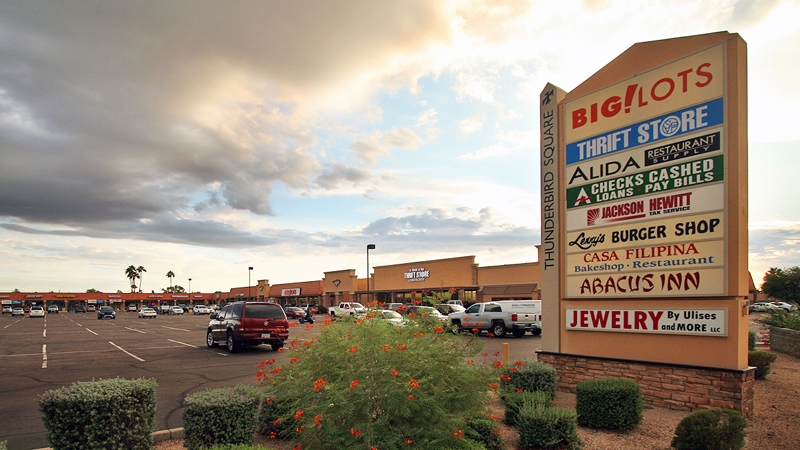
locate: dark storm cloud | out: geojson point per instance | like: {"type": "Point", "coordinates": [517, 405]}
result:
{"type": "Point", "coordinates": [122, 111]}
{"type": "Point", "coordinates": [204, 233]}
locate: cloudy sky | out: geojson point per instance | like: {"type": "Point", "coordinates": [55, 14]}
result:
{"type": "Point", "coordinates": [204, 137]}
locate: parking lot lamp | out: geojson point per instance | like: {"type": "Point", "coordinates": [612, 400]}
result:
{"type": "Point", "coordinates": [249, 288]}
{"type": "Point", "coordinates": [369, 247]}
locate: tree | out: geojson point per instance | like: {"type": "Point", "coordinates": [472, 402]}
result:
{"type": "Point", "coordinates": [177, 289]}
{"type": "Point", "coordinates": [132, 275]}
{"type": "Point", "coordinates": [141, 271]}
{"type": "Point", "coordinates": [782, 284]}
{"type": "Point", "coordinates": [92, 291]}
{"type": "Point", "coordinates": [170, 275]}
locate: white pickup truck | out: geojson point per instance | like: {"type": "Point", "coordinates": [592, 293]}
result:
{"type": "Point", "coordinates": [347, 309]}
{"type": "Point", "coordinates": [499, 317]}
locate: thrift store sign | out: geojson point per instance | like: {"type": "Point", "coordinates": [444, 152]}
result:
{"type": "Point", "coordinates": [706, 322]}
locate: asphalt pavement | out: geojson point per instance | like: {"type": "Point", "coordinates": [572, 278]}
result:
{"type": "Point", "coordinates": [40, 354]}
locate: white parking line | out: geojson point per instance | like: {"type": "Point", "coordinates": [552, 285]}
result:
{"type": "Point", "coordinates": [125, 351]}
{"type": "Point", "coordinates": [134, 329]}
{"type": "Point", "coordinates": [183, 343]}
{"type": "Point", "coordinates": [177, 329]}
{"type": "Point", "coordinates": [90, 331]}
{"type": "Point", "coordinates": [44, 356]}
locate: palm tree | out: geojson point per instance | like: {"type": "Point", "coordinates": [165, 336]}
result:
{"type": "Point", "coordinates": [131, 273]}
{"type": "Point", "coordinates": [170, 275]}
{"type": "Point", "coordinates": [141, 271]}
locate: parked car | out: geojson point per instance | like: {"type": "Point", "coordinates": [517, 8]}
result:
{"type": "Point", "coordinates": [175, 310]}
{"type": "Point", "coordinates": [347, 309]}
{"type": "Point", "coordinates": [147, 312]}
{"type": "Point", "coordinates": [248, 323]}
{"type": "Point", "coordinates": [106, 311]}
{"type": "Point", "coordinates": [52, 309]}
{"type": "Point", "coordinates": [427, 311]}
{"type": "Point", "coordinates": [201, 309]}
{"type": "Point", "coordinates": [446, 308]}
{"type": "Point", "coordinates": [36, 311]}
{"type": "Point", "coordinates": [761, 307]}
{"type": "Point", "coordinates": [293, 312]}
{"type": "Point", "coordinates": [163, 309]}
{"type": "Point", "coordinates": [7, 310]}
{"type": "Point", "coordinates": [92, 308]}
{"type": "Point", "coordinates": [784, 306]}
{"type": "Point", "coordinates": [393, 317]}
{"type": "Point", "coordinates": [79, 309]}
{"type": "Point", "coordinates": [131, 307]}
{"type": "Point", "coordinates": [17, 311]}
{"type": "Point", "coordinates": [499, 317]}
{"type": "Point", "coordinates": [393, 306]}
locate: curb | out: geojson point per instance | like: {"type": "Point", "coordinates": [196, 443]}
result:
{"type": "Point", "coordinates": [158, 436]}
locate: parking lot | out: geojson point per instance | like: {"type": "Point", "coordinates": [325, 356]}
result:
{"type": "Point", "coordinates": [39, 354]}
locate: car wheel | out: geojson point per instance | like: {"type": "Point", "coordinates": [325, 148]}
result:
{"type": "Point", "coordinates": [231, 343]}
{"type": "Point", "coordinates": [276, 347]}
{"type": "Point", "coordinates": [498, 329]}
{"type": "Point", "coordinates": [536, 331]}
{"type": "Point", "coordinates": [455, 327]}
{"type": "Point", "coordinates": [518, 333]}
{"type": "Point", "coordinates": [210, 342]}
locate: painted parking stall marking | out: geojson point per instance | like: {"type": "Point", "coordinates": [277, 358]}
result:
{"type": "Point", "coordinates": [125, 351]}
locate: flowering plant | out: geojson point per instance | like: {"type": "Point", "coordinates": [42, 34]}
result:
{"type": "Point", "coordinates": [373, 384]}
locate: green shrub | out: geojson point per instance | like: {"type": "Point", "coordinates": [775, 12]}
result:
{"type": "Point", "coordinates": [609, 403]}
{"type": "Point", "coordinates": [530, 376]}
{"type": "Point", "coordinates": [484, 431]}
{"type": "Point", "coordinates": [366, 383]}
{"type": "Point", "coordinates": [540, 426]}
{"type": "Point", "coordinates": [514, 401]}
{"type": "Point", "coordinates": [106, 414]}
{"type": "Point", "coordinates": [751, 340]}
{"type": "Point", "coordinates": [782, 319]}
{"type": "Point", "coordinates": [710, 429]}
{"type": "Point", "coordinates": [272, 421]}
{"type": "Point", "coordinates": [221, 416]}
{"type": "Point", "coordinates": [762, 361]}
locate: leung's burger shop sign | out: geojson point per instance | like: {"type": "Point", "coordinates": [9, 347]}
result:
{"type": "Point", "coordinates": [706, 322]}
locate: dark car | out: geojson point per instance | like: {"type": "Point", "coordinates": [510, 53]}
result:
{"type": "Point", "coordinates": [79, 309]}
{"type": "Point", "coordinates": [293, 312]}
{"type": "Point", "coordinates": [248, 323]}
{"type": "Point", "coordinates": [106, 311]}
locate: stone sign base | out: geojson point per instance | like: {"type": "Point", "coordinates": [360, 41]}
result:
{"type": "Point", "coordinates": [684, 388]}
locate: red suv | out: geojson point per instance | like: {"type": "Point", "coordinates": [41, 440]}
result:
{"type": "Point", "coordinates": [248, 323]}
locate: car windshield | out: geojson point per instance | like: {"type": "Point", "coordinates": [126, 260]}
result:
{"type": "Point", "coordinates": [264, 312]}
{"type": "Point", "coordinates": [106, 308]}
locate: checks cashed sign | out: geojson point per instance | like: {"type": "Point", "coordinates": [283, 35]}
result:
{"type": "Point", "coordinates": [645, 183]}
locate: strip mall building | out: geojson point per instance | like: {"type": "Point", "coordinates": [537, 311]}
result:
{"type": "Point", "coordinates": [456, 278]}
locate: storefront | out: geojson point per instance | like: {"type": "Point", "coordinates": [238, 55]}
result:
{"type": "Point", "coordinates": [434, 281]}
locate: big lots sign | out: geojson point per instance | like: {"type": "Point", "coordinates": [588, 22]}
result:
{"type": "Point", "coordinates": [291, 292]}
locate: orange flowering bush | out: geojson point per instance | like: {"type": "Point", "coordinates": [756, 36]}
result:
{"type": "Point", "coordinates": [376, 385]}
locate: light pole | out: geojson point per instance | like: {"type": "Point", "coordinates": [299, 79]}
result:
{"type": "Point", "coordinates": [369, 247]}
{"type": "Point", "coordinates": [190, 288]}
{"type": "Point", "coordinates": [249, 290]}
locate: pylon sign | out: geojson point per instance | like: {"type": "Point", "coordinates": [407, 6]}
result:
{"type": "Point", "coordinates": [644, 205]}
